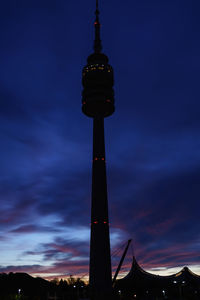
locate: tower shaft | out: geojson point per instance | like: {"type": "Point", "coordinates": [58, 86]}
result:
{"type": "Point", "coordinates": [100, 261]}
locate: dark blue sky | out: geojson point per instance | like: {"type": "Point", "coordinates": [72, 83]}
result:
{"type": "Point", "coordinates": [152, 140]}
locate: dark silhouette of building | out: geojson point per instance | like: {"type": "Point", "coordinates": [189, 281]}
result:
{"type": "Point", "coordinates": [98, 103]}
{"type": "Point", "coordinates": [142, 285]}
{"type": "Point", "coordinates": [25, 287]}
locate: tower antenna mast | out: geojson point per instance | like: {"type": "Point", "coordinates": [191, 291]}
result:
{"type": "Point", "coordinates": [97, 41]}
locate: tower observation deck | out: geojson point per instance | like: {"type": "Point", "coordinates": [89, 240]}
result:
{"type": "Point", "coordinates": [98, 103]}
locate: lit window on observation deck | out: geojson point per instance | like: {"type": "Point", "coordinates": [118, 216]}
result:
{"type": "Point", "coordinates": [96, 67]}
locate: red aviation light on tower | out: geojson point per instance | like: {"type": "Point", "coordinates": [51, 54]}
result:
{"type": "Point", "coordinates": [99, 158]}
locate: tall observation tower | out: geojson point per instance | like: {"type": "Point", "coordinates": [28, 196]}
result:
{"type": "Point", "coordinates": [98, 103]}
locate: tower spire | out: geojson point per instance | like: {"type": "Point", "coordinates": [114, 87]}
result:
{"type": "Point", "coordinates": [97, 41]}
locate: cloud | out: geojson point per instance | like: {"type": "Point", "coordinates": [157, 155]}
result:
{"type": "Point", "coordinates": [33, 228]}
